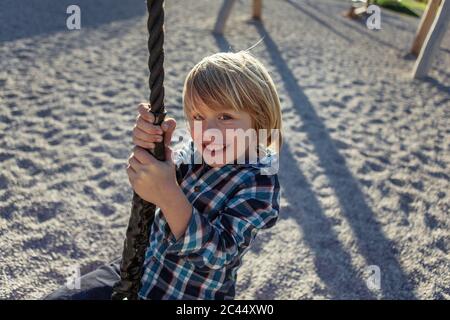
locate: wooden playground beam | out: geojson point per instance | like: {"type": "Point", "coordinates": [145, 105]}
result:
{"type": "Point", "coordinates": [425, 24]}
{"type": "Point", "coordinates": [257, 9]}
{"type": "Point", "coordinates": [432, 41]}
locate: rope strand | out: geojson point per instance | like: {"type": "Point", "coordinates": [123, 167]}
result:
{"type": "Point", "coordinates": [143, 212]}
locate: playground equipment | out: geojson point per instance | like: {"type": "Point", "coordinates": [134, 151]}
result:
{"type": "Point", "coordinates": [143, 212]}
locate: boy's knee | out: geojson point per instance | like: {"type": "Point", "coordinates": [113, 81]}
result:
{"type": "Point", "coordinates": [95, 285]}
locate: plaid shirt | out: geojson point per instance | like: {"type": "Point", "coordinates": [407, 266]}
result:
{"type": "Point", "coordinates": [230, 204]}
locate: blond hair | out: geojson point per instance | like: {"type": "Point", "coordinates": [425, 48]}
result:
{"type": "Point", "coordinates": [237, 81]}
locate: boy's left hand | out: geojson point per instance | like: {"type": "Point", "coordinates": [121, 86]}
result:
{"type": "Point", "coordinates": [149, 177]}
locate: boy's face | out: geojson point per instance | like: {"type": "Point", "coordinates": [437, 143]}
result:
{"type": "Point", "coordinates": [214, 134]}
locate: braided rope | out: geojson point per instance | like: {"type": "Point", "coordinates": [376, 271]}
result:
{"type": "Point", "coordinates": [143, 212]}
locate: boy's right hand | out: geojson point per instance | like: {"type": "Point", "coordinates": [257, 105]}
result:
{"type": "Point", "coordinates": [145, 133]}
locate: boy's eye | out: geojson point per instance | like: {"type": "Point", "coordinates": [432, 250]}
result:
{"type": "Point", "coordinates": [197, 117]}
{"type": "Point", "coordinates": [225, 117]}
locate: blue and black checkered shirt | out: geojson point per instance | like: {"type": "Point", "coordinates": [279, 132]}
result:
{"type": "Point", "coordinates": [230, 204]}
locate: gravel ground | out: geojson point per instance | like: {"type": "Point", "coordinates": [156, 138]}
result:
{"type": "Point", "coordinates": [364, 168]}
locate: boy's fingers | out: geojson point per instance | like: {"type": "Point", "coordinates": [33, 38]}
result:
{"type": "Point", "coordinates": [168, 126]}
{"type": "Point", "coordinates": [143, 156]}
{"type": "Point", "coordinates": [148, 127]}
{"type": "Point", "coordinates": [140, 134]}
{"type": "Point", "coordinates": [168, 152]}
{"type": "Point", "coordinates": [143, 144]}
{"type": "Point", "coordinates": [131, 174]}
{"type": "Point", "coordinates": [143, 106]}
{"type": "Point", "coordinates": [144, 111]}
{"type": "Point", "coordinates": [134, 164]}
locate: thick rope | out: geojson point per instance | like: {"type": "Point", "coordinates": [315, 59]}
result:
{"type": "Point", "coordinates": [143, 212]}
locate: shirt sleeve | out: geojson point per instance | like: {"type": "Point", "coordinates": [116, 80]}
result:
{"type": "Point", "coordinates": [212, 244]}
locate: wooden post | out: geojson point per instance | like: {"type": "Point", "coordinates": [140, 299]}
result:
{"type": "Point", "coordinates": [424, 26]}
{"type": "Point", "coordinates": [223, 15]}
{"type": "Point", "coordinates": [356, 11]}
{"type": "Point", "coordinates": [257, 9]}
{"type": "Point", "coordinates": [433, 40]}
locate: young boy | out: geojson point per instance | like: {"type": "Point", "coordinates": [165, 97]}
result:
{"type": "Point", "coordinates": [214, 194]}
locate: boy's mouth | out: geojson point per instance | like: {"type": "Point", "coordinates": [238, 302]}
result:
{"type": "Point", "coordinates": [210, 147]}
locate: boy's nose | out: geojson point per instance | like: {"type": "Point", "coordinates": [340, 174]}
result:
{"type": "Point", "coordinates": [209, 129]}
{"type": "Point", "coordinates": [211, 134]}
{"type": "Point", "coordinates": [209, 125]}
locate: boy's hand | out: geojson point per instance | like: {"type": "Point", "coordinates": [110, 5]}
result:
{"type": "Point", "coordinates": [150, 178]}
{"type": "Point", "coordinates": [147, 175]}
{"type": "Point", "coordinates": [145, 133]}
